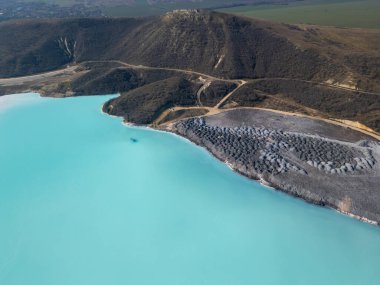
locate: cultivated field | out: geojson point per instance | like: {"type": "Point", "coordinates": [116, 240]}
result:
{"type": "Point", "coordinates": [342, 13]}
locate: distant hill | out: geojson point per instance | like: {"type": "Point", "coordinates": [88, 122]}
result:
{"type": "Point", "coordinates": [30, 9]}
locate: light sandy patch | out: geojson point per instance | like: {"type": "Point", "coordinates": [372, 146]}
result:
{"type": "Point", "coordinates": [9, 101]}
{"type": "Point", "coordinates": [25, 79]}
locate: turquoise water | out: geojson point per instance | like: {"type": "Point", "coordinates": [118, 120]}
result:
{"type": "Point", "coordinates": [80, 203]}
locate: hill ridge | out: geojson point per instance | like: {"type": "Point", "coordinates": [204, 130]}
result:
{"type": "Point", "coordinates": [209, 42]}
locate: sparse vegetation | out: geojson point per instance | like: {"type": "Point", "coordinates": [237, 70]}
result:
{"type": "Point", "coordinates": [64, 87]}
{"type": "Point", "coordinates": [182, 114]}
{"type": "Point", "coordinates": [195, 58]}
{"type": "Point", "coordinates": [334, 103]}
{"type": "Point", "coordinates": [143, 105]}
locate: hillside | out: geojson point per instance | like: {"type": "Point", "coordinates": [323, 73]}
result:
{"type": "Point", "coordinates": [327, 72]}
{"type": "Point", "coordinates": [212, 43]}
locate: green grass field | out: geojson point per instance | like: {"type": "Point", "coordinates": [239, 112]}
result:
{"type": "Point", "coordinates": [341, 13]}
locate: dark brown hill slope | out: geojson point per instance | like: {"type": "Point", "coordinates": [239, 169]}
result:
{"type": "Point", "coordinates": [35, 46]}
{"type": "Point", "coordinates": [323, 72]}
{"type": "Point", "coordinates": [217, 44]}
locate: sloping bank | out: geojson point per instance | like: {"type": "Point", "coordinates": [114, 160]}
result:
{"type": "Point", "coordinates": [323, 164]}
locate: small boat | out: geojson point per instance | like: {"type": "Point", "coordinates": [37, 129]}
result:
{"type": "Point", "coordinates": [134, 140]}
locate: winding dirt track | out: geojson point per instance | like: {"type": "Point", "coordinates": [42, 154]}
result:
{"type": "Point", "coordinates": [190, 72]}
{"type": "Point", "coordinates": [15, 81]}
{"type": "Point", "coordinates": [23, 79]}
{"type": "Point", "coordinates": [221, 102]}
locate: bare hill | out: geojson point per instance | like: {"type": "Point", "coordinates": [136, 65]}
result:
{"type": "Point", "coordinates": [217, 44]}
{"type": "Point", "coordinates": [325, 72]}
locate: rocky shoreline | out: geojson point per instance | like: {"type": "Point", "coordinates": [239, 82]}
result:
{"type": "Point", "coordinates": [336, 184]}
{"type": "Point", "coordinates": [276, 187]}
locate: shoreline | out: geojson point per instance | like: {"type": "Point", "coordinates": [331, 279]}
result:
{"type": "Point", "coordinates": [258, 179]}
{"type": "Point", "coordinates": [273, 186]}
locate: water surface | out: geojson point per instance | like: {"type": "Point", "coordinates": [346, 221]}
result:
{"type": "Point", "coordinates": [81, 203]}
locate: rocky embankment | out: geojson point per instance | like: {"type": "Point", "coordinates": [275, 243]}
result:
{"type": "Point", "coordinates": [320, 170]}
